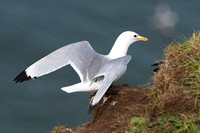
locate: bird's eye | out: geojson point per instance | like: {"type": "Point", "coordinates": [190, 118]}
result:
{"type": "Point", "coordinates": [135, 35]}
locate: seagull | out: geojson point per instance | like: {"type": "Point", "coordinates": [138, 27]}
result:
{"type": "Point", "coordinates": [97, 72]}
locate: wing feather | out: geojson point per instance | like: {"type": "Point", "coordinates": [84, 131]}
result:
{"type": "Point", "coordinates": [110, 71]}
{"type": "Point", "coordinates": [77, 54]}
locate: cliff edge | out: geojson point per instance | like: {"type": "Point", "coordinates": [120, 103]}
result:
{"type": "Point", "coordinates": [170, 105]}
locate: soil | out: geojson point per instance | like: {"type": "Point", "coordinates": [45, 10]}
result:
{"type": "Point", "coordinates": [114, 115]}
{"type": "Point", "coordinates": [116, 112]}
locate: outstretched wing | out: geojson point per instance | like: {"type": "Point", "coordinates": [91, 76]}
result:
{"type": "Point", "coordinates": [78, 55]}
{"type": "Point", "coordinates": [111, 71]}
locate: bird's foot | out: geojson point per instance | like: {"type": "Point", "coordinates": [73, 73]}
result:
{"type": "Point", "coordinates": [112, 92]}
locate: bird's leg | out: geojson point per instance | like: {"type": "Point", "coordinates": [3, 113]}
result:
{"type": "Point", "coordinates": [111, 91]}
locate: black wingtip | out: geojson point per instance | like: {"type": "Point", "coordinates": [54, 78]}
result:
{"type": "Point", "coordinates": [22, 77]}
{"type": "Point", "coordinates": [90, 109]}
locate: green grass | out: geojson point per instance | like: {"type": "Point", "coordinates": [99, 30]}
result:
{"type": "Point", "coordinates": [181, 68]}
{"type": "Point", "coordinates": [139, 125]}
{"type": "Point", "coordinates": [191, 61]}
{"type": "Point", "coordinates": [181, 124]}
{"type": "Point", "coordinates": [165, 124]}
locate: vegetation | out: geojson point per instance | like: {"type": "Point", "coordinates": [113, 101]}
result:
{"type": "Point", "coordinates": [165, 124]}
{"type": "Point", "coordinates": [181, 68]}
{"type": "Point", "coordinates": [179, 74]}
{"type": "Point", "coordinates": [139, 125]}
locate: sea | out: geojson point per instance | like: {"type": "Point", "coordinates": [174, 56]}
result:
{"type": "Point", "coordinates": [29, 30]}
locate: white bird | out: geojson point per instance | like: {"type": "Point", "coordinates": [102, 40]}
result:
{"type": "Point", "coordinates": [96, 71]}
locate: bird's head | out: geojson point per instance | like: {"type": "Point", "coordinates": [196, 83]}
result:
{"type": "Point", "coordinates": [130, 37]}
{"type": "Point", "coordinates": [123, 42]}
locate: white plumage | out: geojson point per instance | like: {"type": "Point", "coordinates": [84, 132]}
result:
{"type": "Point", "coordinates": [96, 71]}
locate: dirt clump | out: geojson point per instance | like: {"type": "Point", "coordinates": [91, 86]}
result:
{"type": "Point", "coordinates": [114, 115]}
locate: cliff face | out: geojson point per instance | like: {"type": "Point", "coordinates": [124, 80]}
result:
{"type": "Point", "coordinates": [170, 105]}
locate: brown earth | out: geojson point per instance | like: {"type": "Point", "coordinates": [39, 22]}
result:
{"type": "Point", "coordinates": [115, 114]}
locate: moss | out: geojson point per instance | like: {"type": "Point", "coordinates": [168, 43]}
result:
{"type": "Point", "coordinates": [139, 125]}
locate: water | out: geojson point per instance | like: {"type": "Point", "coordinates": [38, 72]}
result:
{"type": "Point", "coordinates": [30, 30]}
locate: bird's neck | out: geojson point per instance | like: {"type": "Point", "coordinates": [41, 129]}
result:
{"type": "Point", "coordinates": [119, 49]}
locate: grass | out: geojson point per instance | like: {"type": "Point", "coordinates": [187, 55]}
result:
{"type": "Point", "coordinates": [139, 125]}
{"type": "Point", "coordinates": [177, 80]}
{"type": "Point", "coordinates": [180, 124]}
{"type": "Point", "coordinates": [165, 124]}
{"type": "Point", "coordinates": [181, 68]}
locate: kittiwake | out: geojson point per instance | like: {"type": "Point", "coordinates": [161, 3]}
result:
{"type": "Point", "coordinates": [96, 71]}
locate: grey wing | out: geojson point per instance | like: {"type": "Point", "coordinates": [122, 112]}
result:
{"type": "Point", "coordinates": [75, 54]}
{"type": "Point", "coordinates": [110, 71]}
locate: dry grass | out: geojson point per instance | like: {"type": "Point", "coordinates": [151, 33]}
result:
{"type": "Point", "coordinates": [180, 72]}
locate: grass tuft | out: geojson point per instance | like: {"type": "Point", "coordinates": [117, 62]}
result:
{"type": "Point", "coordinates": [138, 125]}
{"type": "Point", "coordinates": [181, 68]}
{"type": "Point", "coordinates": [165, 124]}
{"type": "Point", "coordinates": [181, 124]}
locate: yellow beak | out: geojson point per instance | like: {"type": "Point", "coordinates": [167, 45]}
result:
{"type": "Point", "coordinates": [143, 39]}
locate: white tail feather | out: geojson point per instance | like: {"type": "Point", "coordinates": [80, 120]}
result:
{"type": "Point", "coordinates": [80, 87]}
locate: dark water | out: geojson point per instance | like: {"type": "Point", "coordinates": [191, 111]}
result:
{"type": "Point", "coordinates": [30, 30]}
